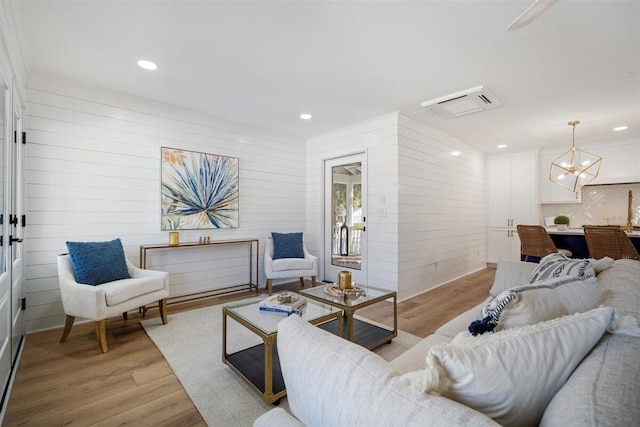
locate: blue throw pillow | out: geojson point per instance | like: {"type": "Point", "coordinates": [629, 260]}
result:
{"type": "Point", "coordinates": [98, 262]}
{"type": "Point", "coordinates": [287, 245]}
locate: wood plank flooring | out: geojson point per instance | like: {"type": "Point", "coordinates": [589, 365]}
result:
{"type": "Point", "coordinates": [73, 383]}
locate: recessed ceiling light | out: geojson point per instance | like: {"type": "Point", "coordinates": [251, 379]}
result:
{"type": "Point", "coordinates": [501, 146]}
{"type": "Point", "coordinates": [456, 153]}
{"type": "Point", "coordinates": [147, 65]}
{"type": "Point", "coordinates": [305, 116]}
{"type": "Point", "coordinates": [620, 128]}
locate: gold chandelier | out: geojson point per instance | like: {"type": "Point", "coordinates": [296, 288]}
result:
{"type": "Point", "coordinates": [575, 168]}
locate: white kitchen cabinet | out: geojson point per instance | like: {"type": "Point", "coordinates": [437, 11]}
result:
{"type": "Point", "coordinates": [503, 243]}
{"type": "Point", "coordinates": [551, 192]}
{"type": "Point", "coordinates": [512, 190]}
{"type": "Point", "coordinates": [620, 162]}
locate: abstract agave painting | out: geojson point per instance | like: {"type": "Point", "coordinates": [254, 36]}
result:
{"type": "Point", "coordinates": [199, 190]}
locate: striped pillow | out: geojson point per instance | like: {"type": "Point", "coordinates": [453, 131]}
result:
{"type": "Point", "coordinates": [558, 265]}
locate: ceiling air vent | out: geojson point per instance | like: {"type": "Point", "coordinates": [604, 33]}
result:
{"type": "Point", "coordinates": [464, 102]}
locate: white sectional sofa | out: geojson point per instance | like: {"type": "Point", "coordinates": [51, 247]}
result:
{"type": "Point", "coordinates": [331, 382]}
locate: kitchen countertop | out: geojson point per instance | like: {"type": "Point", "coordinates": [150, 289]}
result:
{"type": "Point", "coordinates": [578, 231]}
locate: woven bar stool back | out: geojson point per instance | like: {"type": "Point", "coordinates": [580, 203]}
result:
{"type": "Point", "coordinates": [609, 242]}
{"type": "Point", "coordinates": [535, 242]}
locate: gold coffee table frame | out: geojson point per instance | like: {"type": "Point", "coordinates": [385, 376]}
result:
{"type": "Point", "coordinates": [358, 331]}
{"type": "Point", "coordinates": [259, 366]}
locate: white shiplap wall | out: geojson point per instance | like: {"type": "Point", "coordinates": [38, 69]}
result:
{"type": "Point", "coordinates": [378, 139]}
{"type": "Point", "coordinates": [435, 225]}
{"type": "Point", "coordinates": [442, 208]}
{"type": "Point", "coordinates": [93, 171]}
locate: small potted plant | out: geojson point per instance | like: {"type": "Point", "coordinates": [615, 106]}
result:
{"type": "Point", "coordinates": [561, 221]}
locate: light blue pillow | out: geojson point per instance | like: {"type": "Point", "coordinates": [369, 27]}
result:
{"type": "Point", "coordinates": [98, 262]}
{"type": "Point", "coordinates": [287, 245]}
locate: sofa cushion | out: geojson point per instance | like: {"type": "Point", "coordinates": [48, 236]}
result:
{"type": "Point", "coordinates": [620, 287]}
{"type": "Point", "coordinates": [95, 263]}
{"type": "Point", "coordinates": [462, 321]}
{"type": "Point", "coordinates": [285, 264]}
{"type": "Point", "coordinates": [333, 382]}
{"type": "Point", "coordinates": [603, 390]}
{"type": "Point", "coordinates": [127, 289]}
{"type": "Point", "coordinates": [413, 359]}
{"type": "Point", "coordinates": [287, 245]}
{"type": "Point", "coordinates": [510, 274]}
{"type": "Point", "coordinates": [512, 375]}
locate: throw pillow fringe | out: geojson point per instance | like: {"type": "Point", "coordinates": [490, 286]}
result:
{"type": "Point", "coordinates": [478, 327]}
{"type": "Point", "coordinates": [625, 325]}
{"type": "Point", "coordinates": [433, 379]}
{"type": "Point", "coordinates": [491, 313]}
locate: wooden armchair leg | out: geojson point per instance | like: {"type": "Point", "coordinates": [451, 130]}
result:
{"type": "Point", "coordinates": [302, 282]}
{"type": "Point", "coordinates": [269, 286]}
{"type": "Point", "coordinates": [68, 323]}
{"type": "Point", "coordinates": [162, 305]}
{"type": "Point", "coordinates": [101, 333]}
{"type": "Point", "coordinates": [313, 281]}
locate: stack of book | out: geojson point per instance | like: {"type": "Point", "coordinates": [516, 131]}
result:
{"type": "Point", "coordinates": [284, 303]}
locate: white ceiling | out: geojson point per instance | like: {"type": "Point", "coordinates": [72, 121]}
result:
{"type": "Point", "coordinates": [265, 62]}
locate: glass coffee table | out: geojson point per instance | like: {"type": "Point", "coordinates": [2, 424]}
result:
{"type": "Point", "coordinates": [359, 331]}
{"type": "Point", "coordinates": [259, 365]}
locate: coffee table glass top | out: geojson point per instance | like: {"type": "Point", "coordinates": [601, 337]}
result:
{"type": "Point", "coordinates": [267, 321]}
{"type": "Point", "coordinates": [370, 294]}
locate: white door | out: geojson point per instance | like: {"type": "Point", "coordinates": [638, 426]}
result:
{"type": "Point", "coordinates": [5, 266]}
{"type": "Point", "coordinates": [345, 215]}
{"type": "Point", "coordinates": [16, 229]}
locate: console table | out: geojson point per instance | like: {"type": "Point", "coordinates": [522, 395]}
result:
{"type": "Point", "coordinates": [252, 270]}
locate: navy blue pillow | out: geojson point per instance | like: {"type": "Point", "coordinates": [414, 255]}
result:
{"type": "Point", "coordinates": [287, 245]}
{"type": "Point", "coordinates": [98, 262]}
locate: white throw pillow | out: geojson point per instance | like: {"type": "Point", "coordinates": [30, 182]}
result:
{"type": "Point", "coordinates": [531, 307]}
{"type": "Point", "coordinates": [537, 302]}
{"type": "Point", "coordinates": [511, 375]}
{"type": "Point", "coordinates": [578, 293]}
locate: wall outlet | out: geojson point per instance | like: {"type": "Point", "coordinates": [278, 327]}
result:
{"type": "Point", "coordinates": [382, 212]}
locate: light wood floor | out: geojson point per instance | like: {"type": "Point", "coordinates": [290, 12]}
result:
{"type": "Point", "coordinates": [75, 384]}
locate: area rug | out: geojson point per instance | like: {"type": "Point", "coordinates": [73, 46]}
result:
{"type": "Point", "coordinates": [192, 345]}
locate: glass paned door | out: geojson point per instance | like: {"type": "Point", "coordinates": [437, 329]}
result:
{"type": "Point", "coordinates": [5, 270]}
{"type": "Point", "coordinates": [345, 217]}
{"type": "Point", "coordinates": [16, 236]}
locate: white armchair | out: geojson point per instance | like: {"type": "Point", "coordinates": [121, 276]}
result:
{"type": "Point", "coordinates": [285, 268]}
{"type": "Point", "coordinates": [109, 299]}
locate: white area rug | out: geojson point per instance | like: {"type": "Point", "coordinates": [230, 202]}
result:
{"type": "Point", "coordinates": [192, 345]}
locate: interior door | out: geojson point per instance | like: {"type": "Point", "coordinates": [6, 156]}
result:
{"type": "Point", "coordinates": [345, 218]}
{"type": "Point", "coordinates": [16, 228]}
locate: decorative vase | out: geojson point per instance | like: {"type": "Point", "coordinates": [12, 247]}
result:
{"type": "Point", "coordinates": [174, 238]}
{"type": "Point", "coordinates": [344, 280]}
{"type": "Point", "coordinates": [561, 226]}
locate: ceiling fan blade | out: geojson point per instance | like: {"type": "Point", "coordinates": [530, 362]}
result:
{"type": "Point", "coordinates": [531, 14]}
